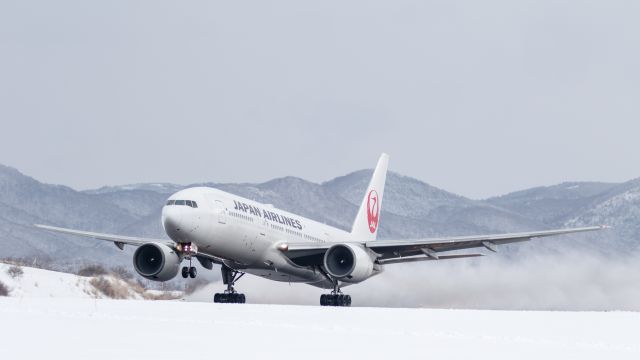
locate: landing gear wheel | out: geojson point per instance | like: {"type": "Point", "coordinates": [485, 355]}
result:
{"type": "Point", "coordinates": [227, 298]}
{"type": "Point", "coordinates": [193, 272]}
{"type": "Point", "coordinates": [185, 272]}
{"type": "Point", "coordinates": [335, 300]}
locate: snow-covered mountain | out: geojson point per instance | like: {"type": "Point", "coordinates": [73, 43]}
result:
{"type": "Point", "coordinates": [25, 201]}
{"type": "Point", "coordinates": [553, 205]}
{"type": "Point", "coordinates": [584, 204]}
{"type": "Point", "coordinates": [412, 209]}
{"type": "Point", "coordinates": [618, 207]}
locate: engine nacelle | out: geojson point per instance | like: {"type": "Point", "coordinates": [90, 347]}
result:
{"type": "Point", "coordinates": [156, 262]}
{"type": "Point", "coordinates": [348, 262]}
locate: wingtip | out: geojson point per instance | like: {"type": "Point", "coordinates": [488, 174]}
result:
{"type": "Point", "coordinates": [43, 227]}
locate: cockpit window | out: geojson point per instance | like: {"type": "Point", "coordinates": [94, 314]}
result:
{"type": "Point", "coordinates": [189, 203]}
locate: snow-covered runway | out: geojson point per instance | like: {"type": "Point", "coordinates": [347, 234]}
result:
{"type": "Point", "coordinates": [127, 329]}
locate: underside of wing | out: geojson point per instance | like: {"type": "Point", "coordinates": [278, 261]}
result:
{"type": "Point", "coordinates": [119, 240]}
{"type": "Point", "coordinates": [431, 248]}
{"type": "Point", "coordinates": [396, 251]}
{"type": "Point", "coordinates": [426, 258]}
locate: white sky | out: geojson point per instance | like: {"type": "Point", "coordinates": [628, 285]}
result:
{"type": "Point", "coordinates": [476, 97]}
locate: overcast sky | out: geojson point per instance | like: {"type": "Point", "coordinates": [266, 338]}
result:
{"type": "Point", "coordinates": [477, 97]}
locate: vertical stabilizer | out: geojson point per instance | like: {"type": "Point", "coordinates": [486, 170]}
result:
{"type": "Point", "coordinates": [365, 227]}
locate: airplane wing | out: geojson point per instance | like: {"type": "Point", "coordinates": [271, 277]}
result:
{"type": "Point", "coordinates": [120, 241]}
{"type": "Point", "coordinates": [396, 251]}
{"type": "Point", "coordinates": [117, 239]}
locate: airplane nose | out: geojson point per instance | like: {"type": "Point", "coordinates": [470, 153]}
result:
{"type": "Point", "coordinates": [172, 223]}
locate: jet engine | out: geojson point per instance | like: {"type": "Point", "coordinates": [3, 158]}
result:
{"type": "Point", "coordinates": [348, 263]}
{"type": "Point", "coordinates": [156, 262]}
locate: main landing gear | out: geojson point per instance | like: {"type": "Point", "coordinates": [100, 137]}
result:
{"type": "Point", "coordinates": [230, 296]}
{"type": "Point", "coordinates": [336, 298]}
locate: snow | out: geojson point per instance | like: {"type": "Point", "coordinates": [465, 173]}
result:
{"type": "Point", "coordinates": [44, 283]}
{"type": "Point", "coordinates": [40, 283]}
{"type": "Point", "coordinates": [57, 315]}
{"type": "Point", "coordinates": [131, 329]}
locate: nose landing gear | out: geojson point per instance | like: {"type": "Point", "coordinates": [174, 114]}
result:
{"type": "Point", "coordinates": [230, 296]}
{"type": "Point", "coordinates": [189, 271]}
{"type": "Point", "coordinates": [189, 250]}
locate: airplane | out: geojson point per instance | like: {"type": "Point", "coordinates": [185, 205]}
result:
{"type": "Point", "coordinates": [247, 237]}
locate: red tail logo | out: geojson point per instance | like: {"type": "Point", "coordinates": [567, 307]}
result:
{"type": "Point", "coordinates": [373, 211]}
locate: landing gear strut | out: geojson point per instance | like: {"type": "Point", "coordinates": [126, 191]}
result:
{"type": "Point", "coordinates": [230, 296]}
{"type": "Point", "coordinates": [336, 298]}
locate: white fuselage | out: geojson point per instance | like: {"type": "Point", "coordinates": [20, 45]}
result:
{"type": "Point", "coordinates": [245, 233]}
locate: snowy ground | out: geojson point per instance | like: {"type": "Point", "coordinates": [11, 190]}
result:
{"type": "Point", "coordinates": [44, 283]}
{"type": "Point", "coordinates": [57, 315]}
{"type": "Point", "coordinates": [38, 283]}
{"type": "Point", "coordinates": [33, 328]}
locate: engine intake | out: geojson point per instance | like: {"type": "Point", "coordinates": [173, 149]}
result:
{"type": "Point", "coordinates": [348, 262]}
{"type": "Point", "coordinates": [156, 262]}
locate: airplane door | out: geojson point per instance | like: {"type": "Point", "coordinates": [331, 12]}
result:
{"type": "Point", "coordinates": [219, 209]}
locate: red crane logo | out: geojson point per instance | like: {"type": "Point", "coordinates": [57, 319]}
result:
{"type": "Point", "coordinates": [373, 211]}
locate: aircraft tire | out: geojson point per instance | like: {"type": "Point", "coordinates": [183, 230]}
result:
{"type": "Point", "coordinates": [335, 300]}
{"type": "Point", "coordinates": [225, 298]}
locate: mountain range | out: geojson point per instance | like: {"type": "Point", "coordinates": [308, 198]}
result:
{"type": "Point", "coordinates": [412, 209]}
